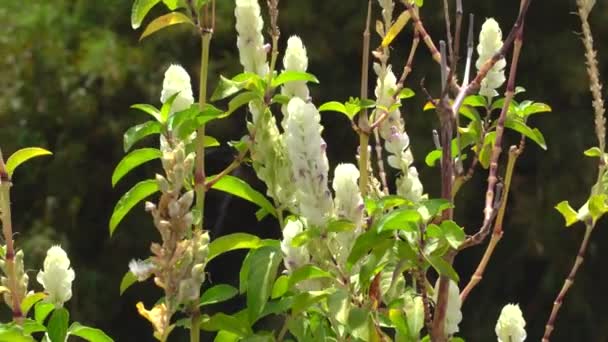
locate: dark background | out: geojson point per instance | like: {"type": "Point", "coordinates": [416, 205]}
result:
{"type": "Point", "coordinates": [70, 69]}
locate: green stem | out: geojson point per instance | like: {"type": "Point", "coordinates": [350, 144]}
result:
{"type": "Point", "coordinates": [199, 174]}
{"type": "Point", "coordinates": [195, 332]}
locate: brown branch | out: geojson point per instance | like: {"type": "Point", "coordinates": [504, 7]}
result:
{"type": "Point", "coordinates": [363, 122]}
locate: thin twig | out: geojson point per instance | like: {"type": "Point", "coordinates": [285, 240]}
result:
{"type": "Point", "coordinates": [364, 128]}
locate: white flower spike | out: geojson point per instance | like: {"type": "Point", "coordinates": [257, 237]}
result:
{"type": "Point", "coordinates": [511, 324]}
{"type": "Point", "coordinates": [250, 41]}
{"type": "Point", "coordinates": [453, 315]}
{"type": "Point", "coordinates": [57, 276]}
{"type": "Point", "coordinates": [177, 80]}
{"type": "Point", "coordinates": [490, 41]}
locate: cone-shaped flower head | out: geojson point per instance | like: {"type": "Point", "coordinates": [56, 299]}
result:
{"type": "Point", "coordinates": [306, 151]}
{"type": "Point", "coordinates": [57, 276]}
{"type": "Point", "coordinates": [453, 315]}
{"type": "Point", "coordinates": [388, 7]}
{"type": "Point", "coordinates": [177, 80]}
{"type": "Point", "coordinates": [490, 41]}
{"type": "Point", "coordinates": [511, 324]}
{"type": "Point", "coordinates": [295, 59]}
{"type": "Point", "coordinates": [294, 257]}
{"type": "Point", "coordinates": [397, 141]}
{"type": "Point", "coordinates": [250, 41]}
{"type": "Point", "coordinates": [348, 200]}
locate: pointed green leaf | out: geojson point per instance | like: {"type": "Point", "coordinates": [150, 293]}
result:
{"type": "Point", "coordinates": [232, 242]}
{"type": "Point", "coordinates": [293, 76]}
{"type": "Point", "coordinates": [127, 280]}
{"type": "Point", "coordinates": [442, 267]}
{"type": "Point", "coordinates": [23, 155]}
{"type": "Point", "coordinates": [239, 101]}
{"type": "Point", "coordinates": [173, 4]}
{"type": "Point", "coordinates": [396, 28]}
{"type": "Point", "coordinates": [335, 106]}
{"type": "Point", "coordinates": [31, 326]}
{"type": "Point", "coordinates": [14, 333]}
{"type": "Point", "coordinates": [164, 21]}
{"type": "Point", "coordinates": [42, 311]}
{"type": "Point", "coordinates": [133, 160]}
{"type": "Point", "coordinates": [58, 325]}
{"type": "Point", "coordinates": [453, 233]}
{"type": "Point", "coordinates": [535, 108]}
{"type": "Point", "coordinates": [139, 10]}
{"type": "Point", "coordinates": [304, 300]}
{"type": "Point", "coordinates": [137, 193]}
{"type": "Point", "coordinates": [475, 101]}
{"type": "Point", "coordinates": [88, 333]}
{"type": "Point", "coordinates": [262, 274]}
{"type": "Point", "coordinates": [534, 134]}
{"type": "Point", "coordinates": [486, 150]}
{"type": "Point", "coordinates": [30, 300]}
{"type": "Point", "coordinates": [217, 294]}
{"type": "Point", "coordinates": [138, 132]}
{"type": "Point", "coordinates": [406, 93]}
{"type": "Point", "coordinates": [307, 272]}
{"type": "Point", "coordinates": [597, 206]}
{"type": "Point", "coordinates": [221, 321]}
{"type": "Point", "coordinates": [149, 109]}
{"type": "Point", "coordinates": [240, 188]}
{"type": "Point", "coordinates": [396, 316]}
{"type": "Point", "coordinates": [280, 287]}
{"type": "Point", "coordinates": [593, 152]}
{"type": "Point", "coordinates": [406, 219]}
{"type": "Point", "coordinates": [228, 87]}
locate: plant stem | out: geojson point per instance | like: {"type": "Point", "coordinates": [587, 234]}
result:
{"type": "Point", "coordinates": [514, 153]}
{"type": "Point", "coordinates": [7, 230]}
{"type": "Point", "coordinates": [364, 128]}
{"type": "Point", "coordinates": [199, 174]}
{"type": "Point", "coordinates": [580, 257]}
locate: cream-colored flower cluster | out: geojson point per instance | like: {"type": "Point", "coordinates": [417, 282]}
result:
{"type": "Point", "coordinates": [249, 25]}
{"type": "Point", "coordinates": [453, 315]}
{"type": "Point", "coordinates": [177, 81]}
{"type": "Point", "coordinates": [295, 59]}
{"type": "Point", "coordinates": [397, 142]}
{"type": "Point", "coordinates": [57, 276]}
{"type": "Point", "coordinates": [511, 325]}
{"type": "Point", "coordinates": [20, 275]}
{"type": "Point", "coordinates": [490, 41]}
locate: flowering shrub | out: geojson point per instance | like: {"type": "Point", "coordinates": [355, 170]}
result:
{"type": "Point", "coordinates": [359, 251]}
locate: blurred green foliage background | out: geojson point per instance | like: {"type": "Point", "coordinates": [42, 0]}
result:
{"type": "Point", "coordinates": [70, 69]}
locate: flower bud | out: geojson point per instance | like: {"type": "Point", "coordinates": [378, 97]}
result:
{"type": "Point", "coordinates": [177, 80]}
{"type": "Point", "coordinates": [57, 276]}
{"type": "Point", "coordinates": [141, 269]}
{"type": "Point", "coordinates": [163, 184]}
{"type": "Point", "coordinates": [490, 41]}
{"type": "Point", "coordinates": [185, 202]}
{"type": "Point", "coordinates": [510, 326]}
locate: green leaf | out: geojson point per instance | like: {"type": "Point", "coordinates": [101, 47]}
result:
{"type": "Point", "coordinates": [221, 321]}
{"type": "Point", "coordinates": [139, 10]}
{"type": "Point", "coordinates": [42, 310]}
{"type": "Point", "coordinates": [173, 4]}
{"type": "Point", "coordinates": [534, 134]}
{"type": "Point", "coordinates": [127, 280]}
{"type": "Point", "coordinates": [414, 312]}
{"type": "Point", "coordinates": [406, 93]}
{"type": "Point", "coordinates": [339, 305]}
{"type": "Point", "coordinates": [453, 233]}
{"type": "Point", "coordinates": [597, 206]}
{"type": "Point", "coordinates": [31, 326]}
{"type": "Point", "coordinates": [360, 325]}
{"type": "Point", "coordinates": [239, 101]}
{"type": "Point", "coordinates": [307, 272]}
{"type": "Point", "coordinates": [475, 101]}
{"type": "Point", "coordinates": [293, 76]}
{"type": "Point", "coordinates": [217, 294]}
{"type": "Point", "coordinates": [30, 300]}
{"type": "Point", "coordinates": [58, 325]}
{"type": "Point", "coordinates": [240, 188]}
{"type": "Point", "coordinates": [432, 158]}
{"type": "Point", "coordinates": [88, 333]}
{"type": "Point", "coordinates": [233, 242]}
{"type": "Point", "coordinates": [173, 18]}
{"type": "Point", "coordinates": [137, 193]}
{"type": "Point", "coordinates": [594, 152]}
{"type": "Point", "coordinates": [304, 300]}
{"type": "Point", "coordinates": [442, 267]}
{"type": "Point", "coordinates": [280, 287]}
{"type": "Point", "coordinates": [435, 155]}
{"type": "Point", "coordinates": [534, 108]}
{"type": "Point", "coordinates": [486, 150]}
{"type": "Point", "coordinates": [436, 206]}
{"type": "Point", "coordinates": [138, 132]}
{"type": "Point", "coordinates": [262, 274]}
{"type": "Point", "coordinates": [406, 219]}
{"type": "Point", "coordinates": [335, 106]}
{"type": "Point", "coordinates": [337, 226]}
{"type": "Point", "coordinates": [133, 160]}
{"type": "Point", "coordinates": [228, 87]}
{"type": "Point", "coordinates": [397, 318]}
{"type": "Point", "coordinates": [184, 123]}
{"type": "Point", "coordinates": [363, 244]}
{"type": "Point", "coordinates": [23, 155]}
{"type": "Point", "coordinates": [149, 109]}
{"type": "Point", "coordinates": [244, 272]}
{"type": "Point", "coordinates": [14, 333]}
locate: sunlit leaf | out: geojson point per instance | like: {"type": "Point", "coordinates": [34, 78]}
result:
{"type": "Point", "coordinates": [453, 233]}
{"type": "Point", "coordinates": [30, 300]}
{"type": "Point", "coordinates": [217, 294]}
{"type": "Point", "coordinates": [139, 10]}
{"type": "Point", "coordinates": [396, 28]}
{"type": "Point", "coordinates": [42, 310]}
{"type": "Point", "coordinates": [293, 76]}
{"type": "Point", "coordinates": [138, 132]}
{"type": "Point", "coordinates": [148, 109]}
{"type": "Point", "coordinates": [567, 212]}
{"type": "Point", "coordinates": [280, 287]}
{"type": "Point", "coordinates": [58, 324]}
{"type": "Point", "coordinates": [534, 134]}
{"type": "Point", "coordinates": [127, 280]}
{"type": "Point", "coordinates": [137, 193]}
{"type": "Point", "coordinates": [14, 333]}
{"type": "Point", "coordinates": [304, 300]}
{"type": "Point", "coordinates": [133, 160]}
{"type": "Point", "coordinates": [442, 267]}
{"type": "Point", "coordinates": [335, 106]}
{"type": "Point", "coordinates": [262, 274]}
{"type": "Point", "coordinates": [88, 333]}
{"type": "Point", "coordinates": [406, 219]}
{"type": "Point", "coordinates": [232, 242]}
{"type": "Point", "coordinates": [164, 21]}
{"type": "Point", "coordinates": [307, 272]}
{"type": "Point", "coordinates": [594, 152]}
{"type": "Point", "coordinates": [23, 155]}
{"type": "Point", "coordinates": [221, 321]}
{"type": "Point", "coordinates": [240, 188]}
